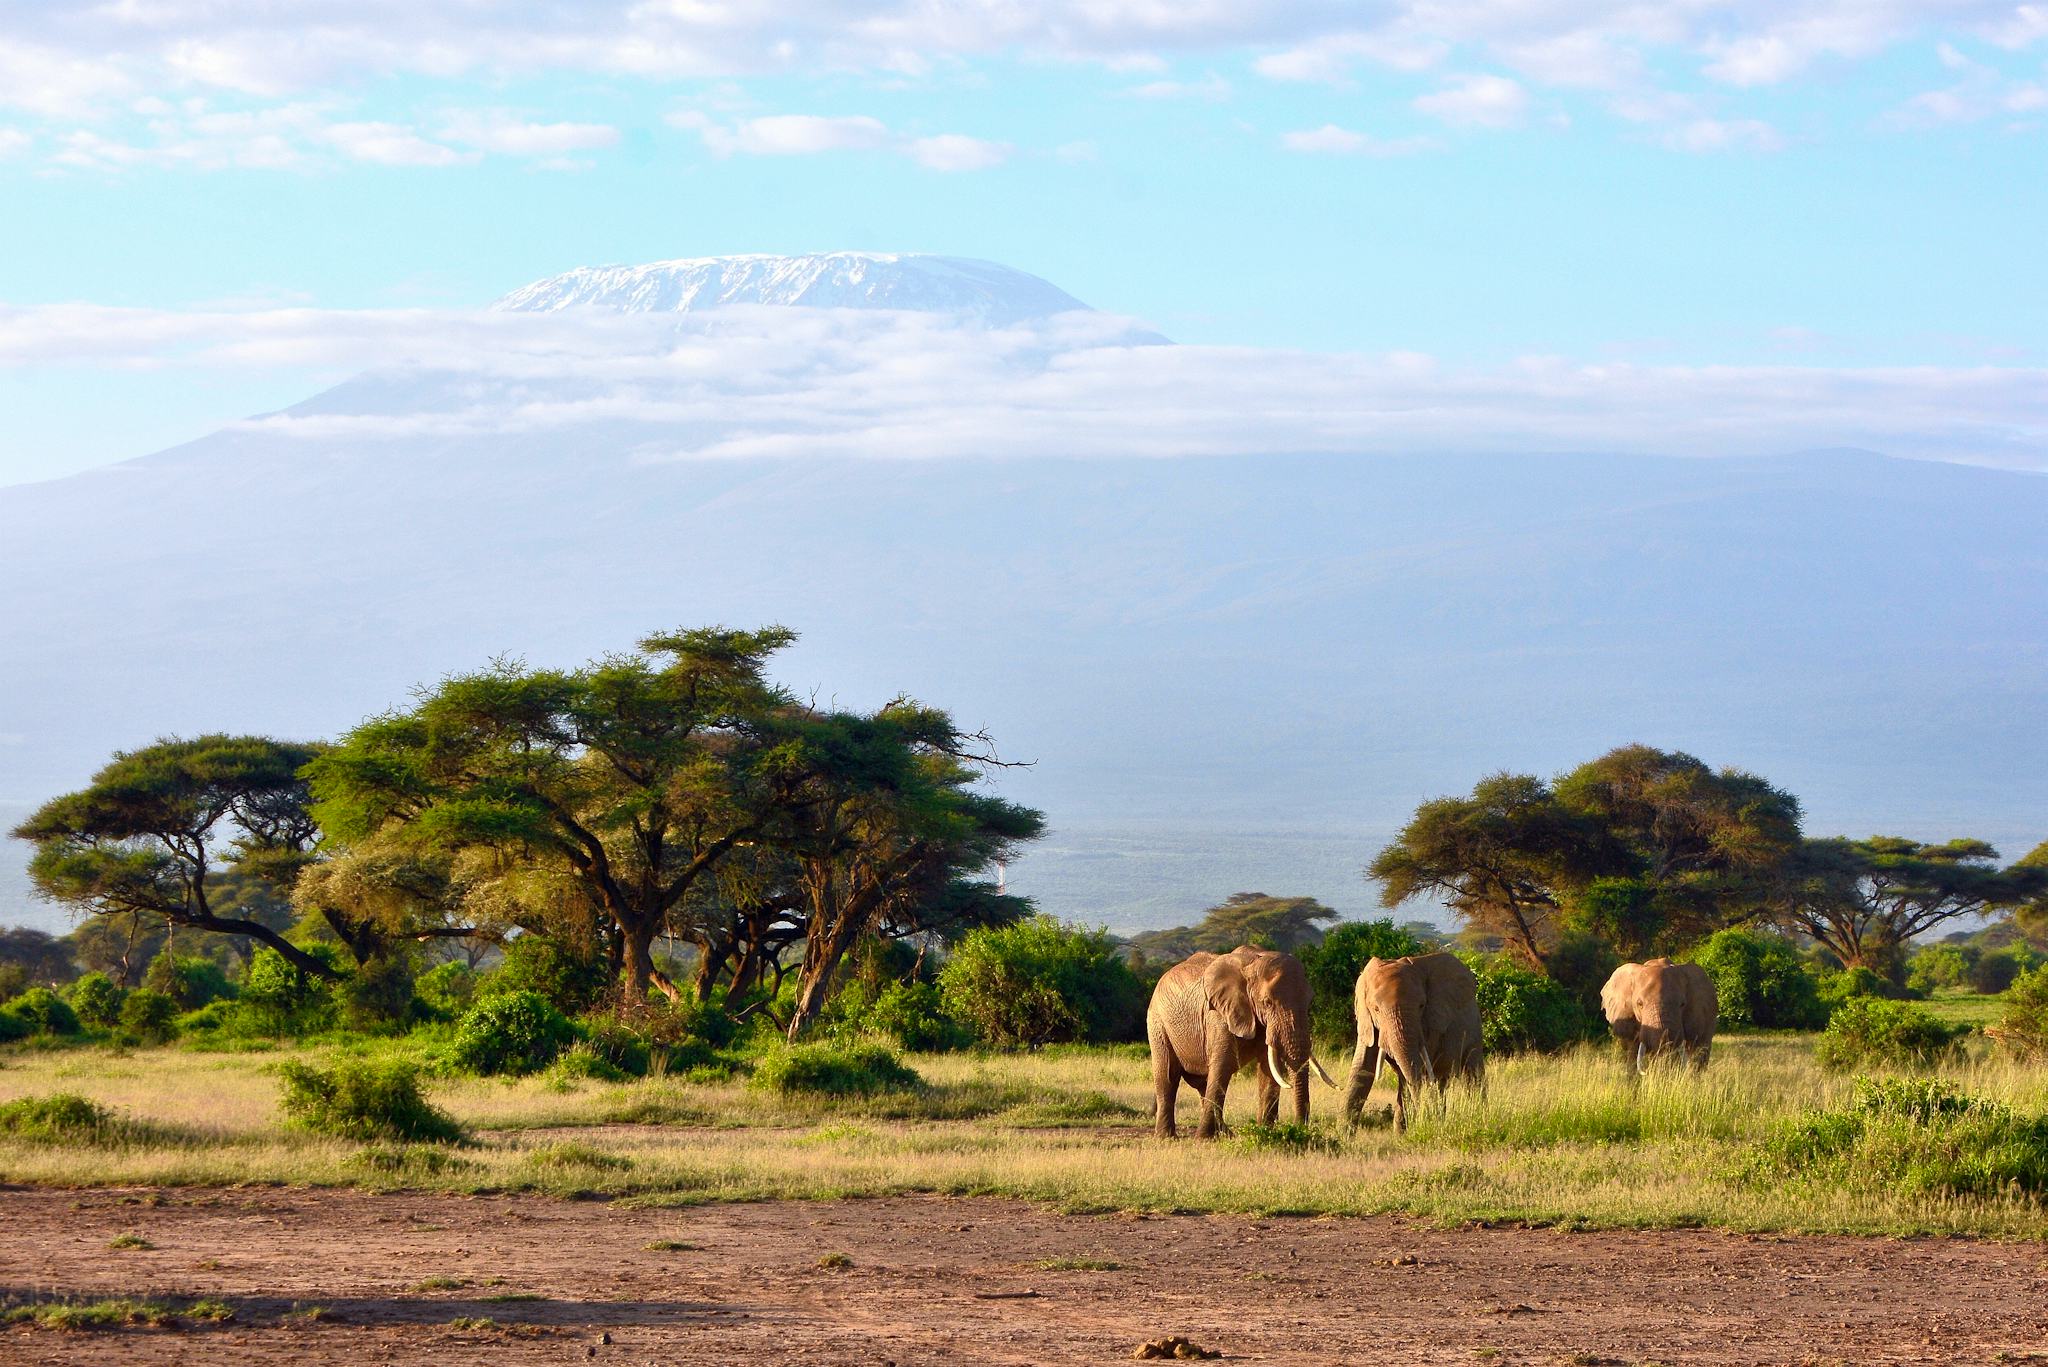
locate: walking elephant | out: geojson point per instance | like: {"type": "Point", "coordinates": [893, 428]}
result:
{"type": "Point", "coordinates": [1421, 1014]}
{"type": "Point", "coordinates": [1212, 1014]}
{"type": "Point", "coordinates": [1662, 1008]}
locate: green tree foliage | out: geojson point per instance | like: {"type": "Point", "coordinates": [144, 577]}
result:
{"type": "Point", "coordinates": [1040, 982]}
{"type": "Point", "coordinates": [149, 1016]}
{"type": "Point", "coordinates": [96, 1000]}
{"type": "Point", "coordinates": [512, 1033]}
{"type": "Point", "coordinates": [43, 1012]}
{"type": "Point", "coordinates": [360, 1100]}
{"type": "Point", "coordinates": [1522, 1012]}
{"type": "Point", "coordinates": [280, 998]}
{"type": "Point", "coordinates": [1934, 967]}
{"type": "Point", "coordinates": [1863, 900]}
{"type": "Point", "coordinates": [1500, 859]}
{"type": "Point", "coordinates": [1994, 972]}
{"type": "Point", "coordinates": [1333, 967]}
{"type": "Point", "coordinates": [2023, 1028]}
{"type": "Point", "coordinates": [2030, 917]}
{"type": "Point", "coordinates": [120, 946]}
{"type": "Point", "coordinates": [1243, 918]}
{"type": "Point", "coordinates": [1871, 1031]}
{"type": "Point", "coordinates": [191, 980]}
{"type": "Point", "coordinates": [29, 957]}
{"type": "Point", "coordinates": [146, 837]}
{"type": "Point", "coordinates": [571, 976]}
{"type": "Point", "coordinates": [447, 989]}
{"type": "Point", "coordinates": [1761, 982]}
{"type": "Point", "coordinates": [1688, 849]}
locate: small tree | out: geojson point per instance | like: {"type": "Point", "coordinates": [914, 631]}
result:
{"type": "Point", "coordinates": [1334, 965]}
{"type": "Point", "coordinates": [145, 838]}
{"type": "Point", "coordinates": [1760, 981]}
{"type": "Point", "coordinates": [1040, 982]}
{"type": "Point", "coordinates": [1865, 899]}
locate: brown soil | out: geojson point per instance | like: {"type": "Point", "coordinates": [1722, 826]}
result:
{"type": "Point", "coordinates": [928, 1280]}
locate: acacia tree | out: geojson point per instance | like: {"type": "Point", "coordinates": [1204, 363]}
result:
{"type": "Point", "coordinates": [1684, 850]}
{"type": "Point", "coordinates": [633, 776]}
{"type": "Point", "coordinates": [1864, 899]}
{"type": "Point", "coordinates": [149, 836]}
{"type": "Point", "coordinates": [1500, 859]}
{"type": "Point", "coordinates": [1242, 918]}
{"type": "Point", "coordinates": [2031, 917]}
{"type": "Point", "coordinates": [883, 829]}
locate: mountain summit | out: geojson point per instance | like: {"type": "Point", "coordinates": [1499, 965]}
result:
{"type": "Point", "coordinates": [955, 285]}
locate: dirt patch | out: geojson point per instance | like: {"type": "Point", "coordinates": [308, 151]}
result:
{"type": "Point", "coordinates": [404, 1278]}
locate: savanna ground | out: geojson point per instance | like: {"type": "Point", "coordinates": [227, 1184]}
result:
{"type": "Point", "coordinates": [1015, 1210]}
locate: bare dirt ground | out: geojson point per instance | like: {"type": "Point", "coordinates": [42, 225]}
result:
{"type": "Point", "coordinates": [934, 1280]}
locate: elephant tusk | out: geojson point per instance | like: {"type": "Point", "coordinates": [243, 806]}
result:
{"type": "Point", "coordinates": [1639, 1054]}
{"type": "Point", "coordinates": [1273, 1066]}
{"type": "Point", "coordinates": [1321, 1071]}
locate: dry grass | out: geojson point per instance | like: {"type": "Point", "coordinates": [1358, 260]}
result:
{"type": "Point", "coordinates": [1572, 1140]}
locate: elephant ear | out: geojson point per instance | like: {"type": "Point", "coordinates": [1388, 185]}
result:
{"type": "Point", "coordinates": [1228, 996]}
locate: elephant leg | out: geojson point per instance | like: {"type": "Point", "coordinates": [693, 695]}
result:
{"type": "Point", "coordinates": [1699, 1056]}
{"type": "Point", "coordinates": [1215, 1093]}
{"type": "Point", "coordinates": [1166, 1075]}
{"type": "Point", "coordinates": [1269, 1098]}
{"type": "Point", "coordinates": [1400, 1102]}
{"type": "Point", "coordinates": [1365, 1067]}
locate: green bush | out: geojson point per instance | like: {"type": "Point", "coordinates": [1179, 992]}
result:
{"type": "Point", "coordinates": [96, 1000]}
{"type": "Point", "coordinates": [13, 1028]}
{"type": "Point", "coordinates": [834, 1070]}
{"type": "Point", "coordinates": [1919, 1136]}
{"type": "Point", "coordinates": [59, 1118]}
{"type": "Point", "coordinates": [284, 999]}
{"type": "Point", "coordinates": [378, 995]}
{"type": "Point", "coordinates": [1848, 983]}
{"type": "Point", "coordinates": [511, 1033]}
{"type": "Point", "coordinates": [191, 980]}
{"type": "Point", "coordinates": [1333, 968]}
{"type": "Point", "coordinates": [149, 1016]}
{"type": "Point", "coordinates": [914, 1015]}
{"type": "Point", "coordinates": [1866, 1031]}
{"type": "Point", "coordinates": [568, 975]}
{"type": "Point", "coordinates": [1993, 973]}
{"type": "Point", "coordinates": [2023, 1028]}
{"type": "Point", "coordinates": [364, 1101]}
{"type": "Point", "coordinates": [1521, 1011]}
{"type": "Point", "coordinates": [1939, 966]}
{"type": "Point", "coordinates": [1040, 982]}
{"type": "Point", "coordinates": [1761, 982]}
{"type": "Point", "coordinates": [447, 990]}
{"type": "Point", "coordinates": [44, 1012]}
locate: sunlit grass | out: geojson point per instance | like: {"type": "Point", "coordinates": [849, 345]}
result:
{"type": "Point", "coordinates": [1575, 1140]}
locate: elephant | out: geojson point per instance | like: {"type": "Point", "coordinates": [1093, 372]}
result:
{"type": "Point", "coordinates": [1421, 1014]}
{"type": "Point", "coordinates": [1662, 1007]}
{"type": "Point", "coordinates": [1212, 1014]}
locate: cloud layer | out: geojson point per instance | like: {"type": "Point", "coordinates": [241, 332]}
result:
{"type": "Point", "coordinates": [781, 381]}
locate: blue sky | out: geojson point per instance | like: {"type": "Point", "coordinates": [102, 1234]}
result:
{"type": "Point", "coordinates": [1850, 186]}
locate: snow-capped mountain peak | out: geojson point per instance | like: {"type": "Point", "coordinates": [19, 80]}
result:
{"type": "Point", "coordinates": [955, 285]}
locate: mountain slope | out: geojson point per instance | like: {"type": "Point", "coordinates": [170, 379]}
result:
{"type": "Point", "coordinates": [954, 285]}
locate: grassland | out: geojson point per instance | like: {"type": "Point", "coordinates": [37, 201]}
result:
{"type": "Point", "coordinates": [1571, 1140]}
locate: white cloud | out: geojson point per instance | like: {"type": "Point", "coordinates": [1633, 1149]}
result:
{"type": "Point", "coordinates": [1329, 59]}
{"type": "Point", "coordinates": [13, 142]}
{"type": "Point", "coordinates": [958, 152]}
{"type": "Point", "coordinates": [1477, 101]}
{"type": "Point", "coordinates": [508, 135]}
{"type": "Point", "coordinates": [1211, 88]}
{"type": "Point", "coordinates": [1330, 139]}
{"type": "Point", "coordinates": [389, 144]}
{"type": "Point", "coordinates": [792, 135]}
{"type": "Point", "coordinates": [1723, 135]}
{"type": "Point", "coordinates": [888, 384]}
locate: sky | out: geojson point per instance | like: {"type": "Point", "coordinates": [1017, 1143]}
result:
{"type": "Point", "coordinates": [211, 208]}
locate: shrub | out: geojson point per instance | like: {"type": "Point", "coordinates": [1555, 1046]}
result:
{"type": "Point", "coordinates": [914, 1015]}
{"type": "Point", "coordinates": [13, 1027]}
{"type": "Point", "coordinates": [835, 1070]}
{"type": "Point", "coordinates": [378, 995]}
{"type": "Point", "coordinates": [1521, 1011]}
{"type": "Point", "coordinates": [570, 976]}
{"type": "Point", "coordinates": [582, 1061]}
{"type": "Point", "coordinates": [1334, 965]}
{"type": "Point", "coordinates": [1919, 1136]}
{"type": "Point", "coordinates": [1761, 982]}
{"type": "Point", "coordinates": [44, 1012]}
{"type": "Point", "coordinates": [1040, 982]}
{"type": "Point", "coordinates": [447, 989]}
{"type": "Point", "coordinates": [192, 980]}
{"type": "Point", "coordinates": [2023, 1029]}
{"type": "Point", "coordinates": [1939, 966]}
{"type": "Point", "coordinates": [364, 1101]}
{"type": "Point", "coordinates": [96, 1000]}
{"type": "Point", "coordinates": [1836, 988]}
{"type": "Point", "coordinates": [150, 1017]}
{"type": "Point", "coordinates": [59, 1118]}
{"type": "Point", "coordinates": [1995, 972]}
{"type": "Point", "coordinates": [514, 1032]}
{"type": "Point", "coordinates": [283, 998]}
{"type": "Point", "coordinates": [1870, 1030]}
{"type": "Point", "coordinates": [1286, 1136]}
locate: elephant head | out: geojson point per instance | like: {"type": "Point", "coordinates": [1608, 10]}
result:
{"type": "Point", "coordinates": [1254, 991]}
{"type": "Point", "coordinates": [1659, 1007]}
{"type": "Point", "coordinates": [1392, 996]}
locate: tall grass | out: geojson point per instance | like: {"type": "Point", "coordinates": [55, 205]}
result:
{"type": "Point", "coordinates": [1576, 1140]}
